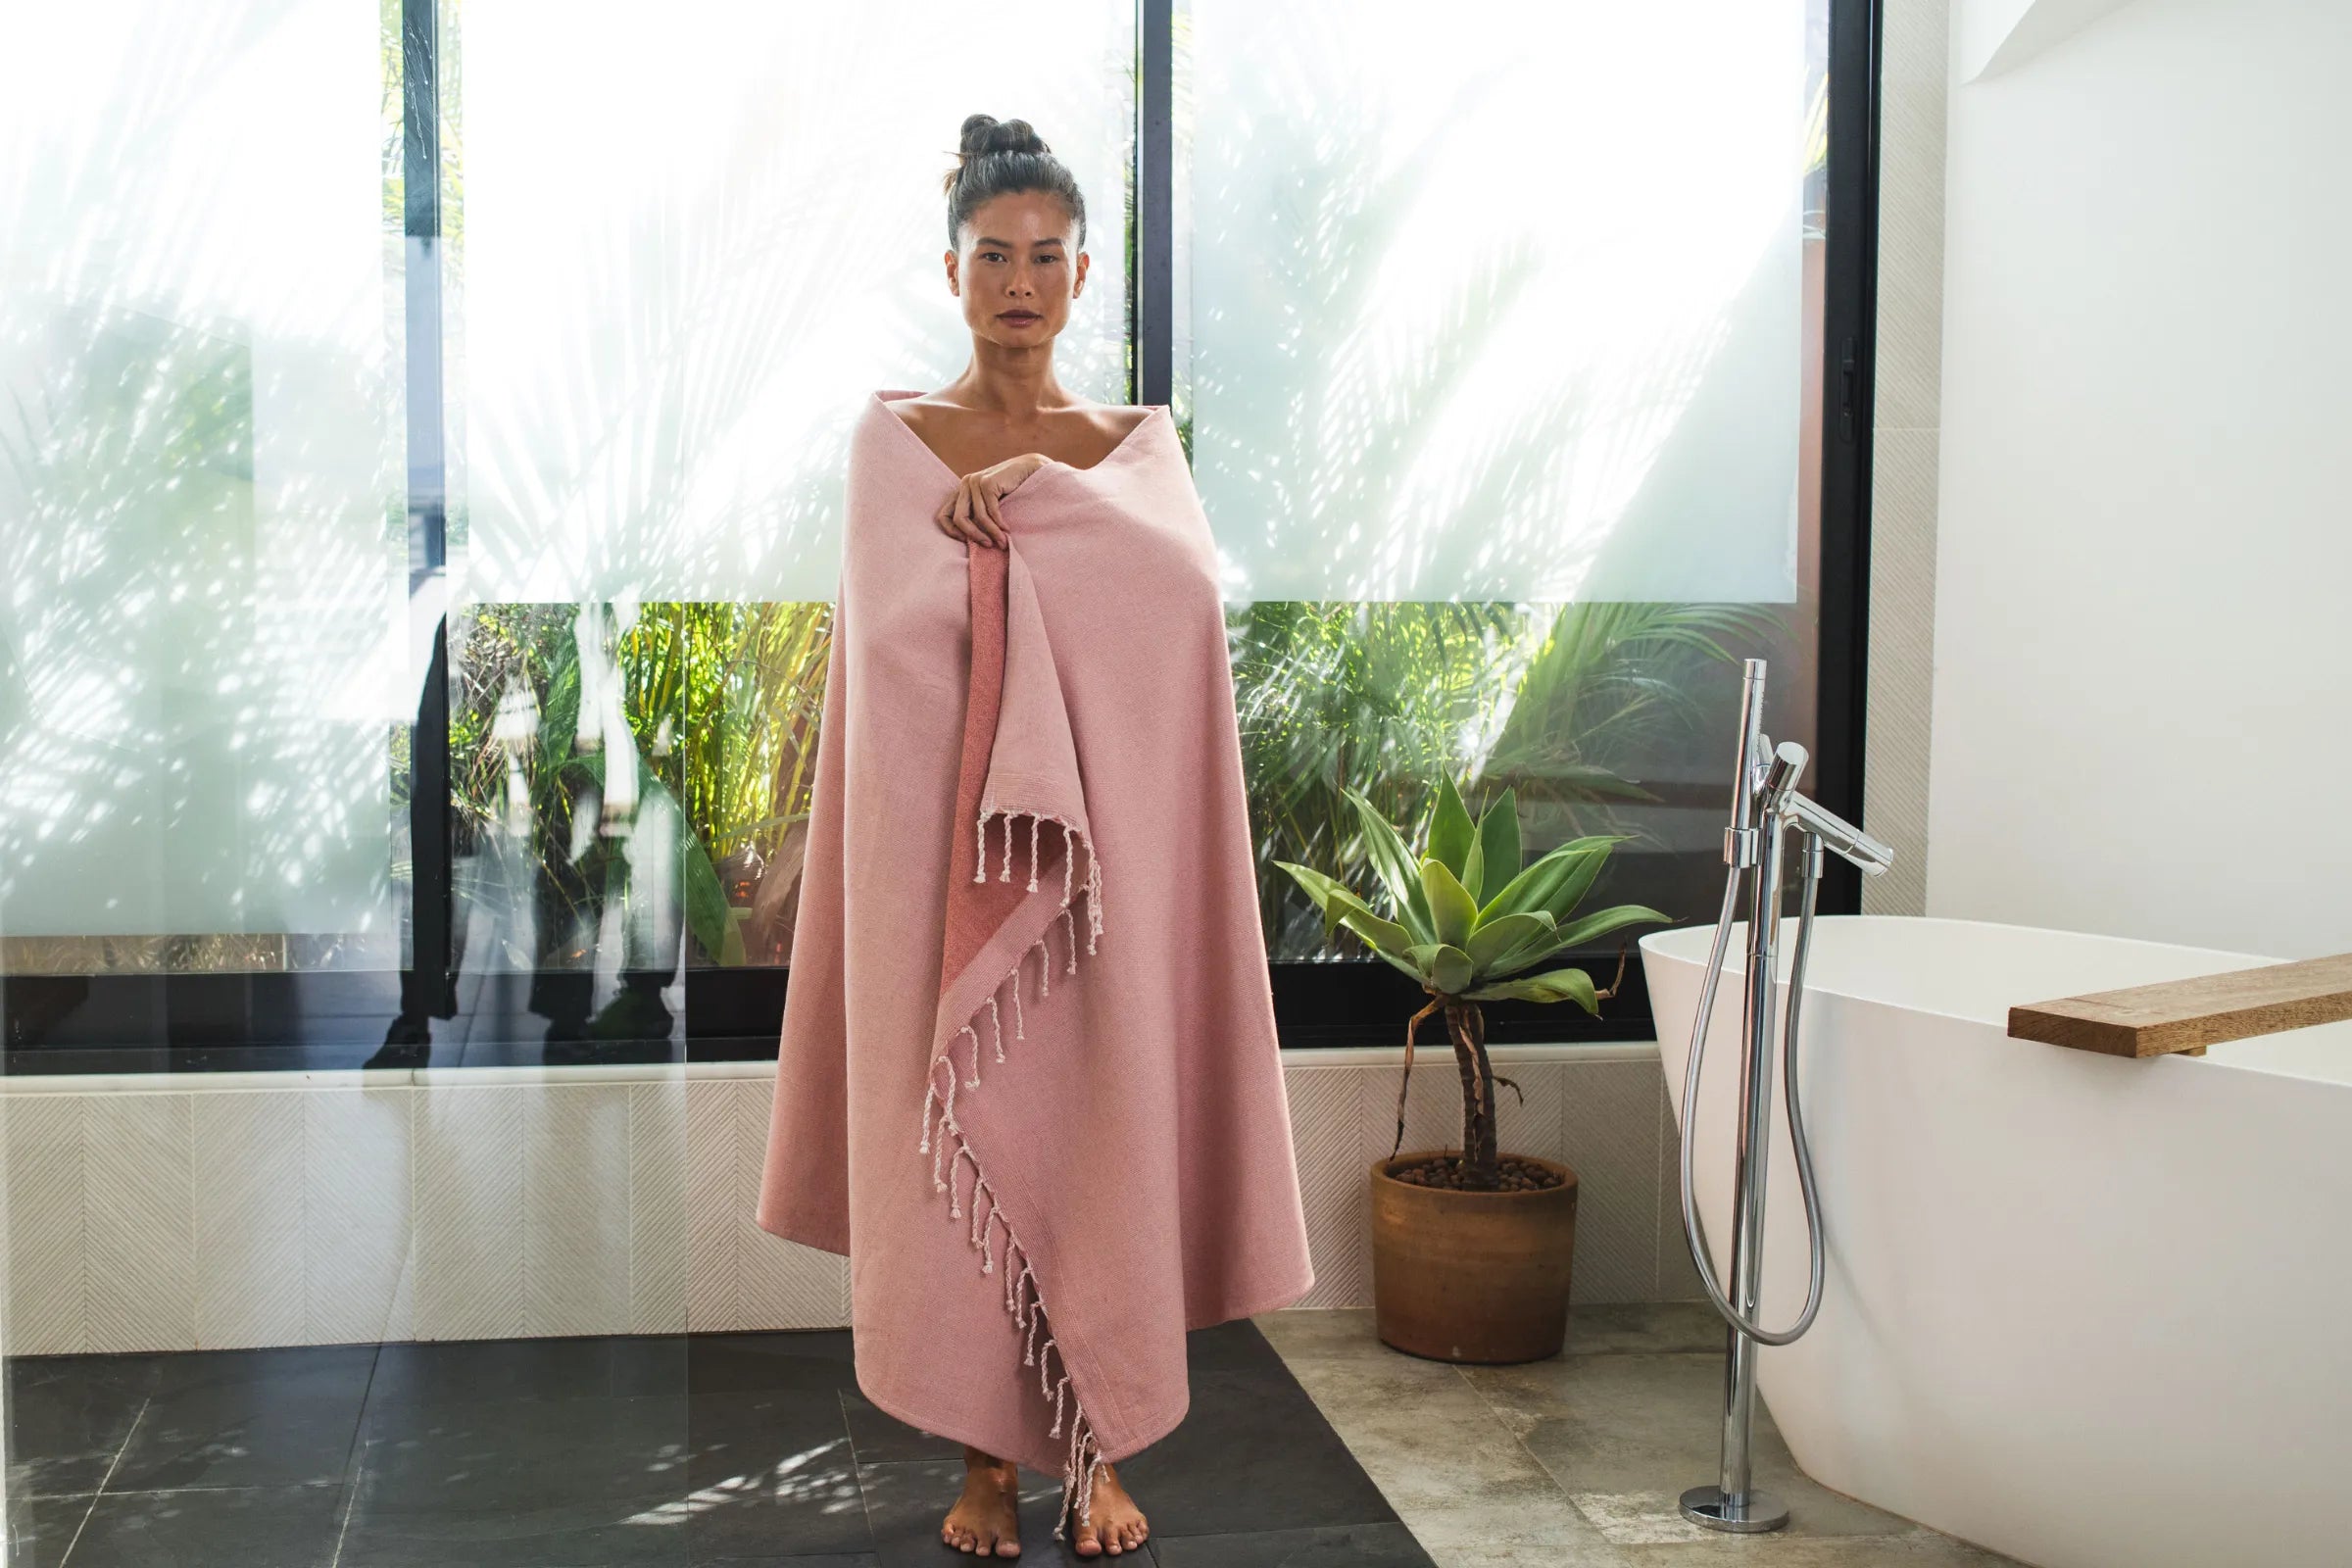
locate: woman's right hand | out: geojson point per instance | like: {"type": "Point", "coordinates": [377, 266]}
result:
{"type": "Point", "coordinates": [972, 512]}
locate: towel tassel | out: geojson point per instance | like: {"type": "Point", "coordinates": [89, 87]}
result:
{"type": "Point", "coordinates": [1024, 1298]}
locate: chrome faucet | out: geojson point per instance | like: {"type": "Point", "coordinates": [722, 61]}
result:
{"type": "Point", "coordinates": [1764, 803]}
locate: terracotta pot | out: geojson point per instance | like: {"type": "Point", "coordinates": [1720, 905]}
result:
{"type": "Point", "coordinates": [1471, 1276]}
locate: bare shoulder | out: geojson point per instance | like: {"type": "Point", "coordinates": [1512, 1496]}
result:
{"type": "Point", "coordinates": [1117, 418]}
{"type": "Point", "coordinates": [922, 412]}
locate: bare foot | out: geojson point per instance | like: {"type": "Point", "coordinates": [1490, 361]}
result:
{"type": "Point", "coordinates": [1115, 1525]}
{"type": "Point", "coordinates": [987, 1518]}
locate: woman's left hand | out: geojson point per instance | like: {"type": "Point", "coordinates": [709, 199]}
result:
{"type": "Point", "coordinates": [972, 513]}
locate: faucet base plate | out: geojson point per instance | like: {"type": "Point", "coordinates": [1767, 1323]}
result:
{"type": "Point", "coordinates": [1752, 1513]}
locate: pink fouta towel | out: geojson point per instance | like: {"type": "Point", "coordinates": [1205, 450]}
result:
{"type": "Point", "coordinates": [1028, 1079]}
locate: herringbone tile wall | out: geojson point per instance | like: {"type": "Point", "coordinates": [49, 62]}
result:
{"type": "Point", "coordinates": [190, 1216]}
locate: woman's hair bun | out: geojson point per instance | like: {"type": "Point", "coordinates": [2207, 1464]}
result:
{"type": "Point", "coordinates": [994, 157]}
{"type": "Point", "coordinates": [986, 134]}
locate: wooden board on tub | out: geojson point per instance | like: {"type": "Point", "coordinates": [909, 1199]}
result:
{"type": "Point", "coordinates": [2187, 1015]}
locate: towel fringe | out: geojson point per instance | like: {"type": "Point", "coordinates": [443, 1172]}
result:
{"type": "Point", "coordinates": [1024, 1298]}
{"type": "Point", "coordinates": [1073, 840]}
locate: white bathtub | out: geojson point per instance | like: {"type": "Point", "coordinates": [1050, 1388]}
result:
{"type": "Point", "coordinates": [2080, 1309]}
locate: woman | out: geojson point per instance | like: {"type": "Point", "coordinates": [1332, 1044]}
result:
{"type": "Point", "coordinates": [1029, 624]}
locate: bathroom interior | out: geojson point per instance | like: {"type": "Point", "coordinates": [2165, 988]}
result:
{"type": "Point", "coordinates": [1875, 462]}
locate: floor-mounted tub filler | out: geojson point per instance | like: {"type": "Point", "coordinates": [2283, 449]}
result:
{"type": "Point", "coordinates": [2082, 1309]}
{"type": "Point", "coordinates": [1765, 808]}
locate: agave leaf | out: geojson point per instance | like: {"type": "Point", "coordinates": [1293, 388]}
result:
{"type": "Point", "coordinates": [1451, 910]}
{"type": "Point", "coordinates": [1395, 864]}
{"type": "Point", "coordinates": [1557, 985]}
{"type": "Point", "coordinates": [1381, 936]}
{"type": "Point", "coordinates": [1341, 906]}
{"type": "Point", "coordinates": [1450, 831]}
{"type": "Point", "coordinates": [1494, 939]}
{"type": "Point", "coordinates": [1443, 966]}
{"type": "Point", "coordinates": [1576, 935]}
{"type": "Point", "coordinates": [1474, 869]}
{"type": "Point", "coordinates": [1536, 887]}
{"type": "Point", "coordinates": [1603, 922]}
{"type": "Point", "coordinates": [1319, 888]}
{"type": "Point", "coordinates": [1497, 844]}
{"type": "Point", "coordinates": [1569, 890]}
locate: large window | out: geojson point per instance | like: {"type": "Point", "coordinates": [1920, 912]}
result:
{"type": "Point", "coordinates": [1498, 349]}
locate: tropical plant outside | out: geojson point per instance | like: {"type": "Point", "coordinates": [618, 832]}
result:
{"type": "Point", "coordinates": [1340, 703]}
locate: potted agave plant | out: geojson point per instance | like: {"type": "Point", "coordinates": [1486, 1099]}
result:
{"type": "Point", "coordinates": [1471, 1247]}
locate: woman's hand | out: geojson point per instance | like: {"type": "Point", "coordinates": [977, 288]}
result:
{"type": "Point", "coordinates": [971, 513]}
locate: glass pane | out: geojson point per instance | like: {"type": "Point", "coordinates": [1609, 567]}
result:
{"type": "Point", "coordinates": [688, 251]}
{"type": "Point", "coordinates": [1506, 309]}
{"type": "Point", "coordinates": [1502, 343]}
{"type": "Point", "coordinates": [198, 489]}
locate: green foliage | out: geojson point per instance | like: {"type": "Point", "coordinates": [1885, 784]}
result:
{"type": "Point", "coordinates": [1347, 709]}
{"type": "Point", "coordinates": [721, 703]}
{"type": "Point", "coordinates": [1457, 948]}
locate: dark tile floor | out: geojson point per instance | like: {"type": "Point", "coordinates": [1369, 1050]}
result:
{"type": "Point", "coordinates": [750, 1451]}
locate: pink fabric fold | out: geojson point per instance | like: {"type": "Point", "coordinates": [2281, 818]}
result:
{"type": "Point", "coordinates": [1027, 1079]}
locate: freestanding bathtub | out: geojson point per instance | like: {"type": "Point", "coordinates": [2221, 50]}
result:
{"type": "Point", "coordinates": [2087, 1311]}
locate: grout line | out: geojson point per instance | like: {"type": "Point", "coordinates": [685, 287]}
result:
{"type": "Point", "coordinates": [354, 1459]}
{"type": "Point", "coordinates": [865, 1504]}
{"type": "Point", "coordinates": [1558, 1485]}
{"type": "Point", "coordinates": [195, 1282]}
{"type": "Point", "coordinates": [628, 1206]}
{"type": "Point", "coordinates": [302, 1237]}
{"type": "Point", "coordinates": [411, 1265]}
{"type": "Point", "coordinates": [81, 1220]}
{"type": "Point", "coordinates": [88, 1510]}
{"type": "Point", "coordinates": [99, 1490]}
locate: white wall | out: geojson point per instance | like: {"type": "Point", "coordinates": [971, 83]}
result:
{"type": "Point", "coordinates": [2143, 608]}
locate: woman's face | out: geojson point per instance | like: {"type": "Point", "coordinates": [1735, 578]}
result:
{"type": "Point", "coordinates": [1017, 275]}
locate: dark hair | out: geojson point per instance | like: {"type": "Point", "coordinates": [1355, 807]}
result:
{"type": "Point", "coordinates": [999, 157]}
